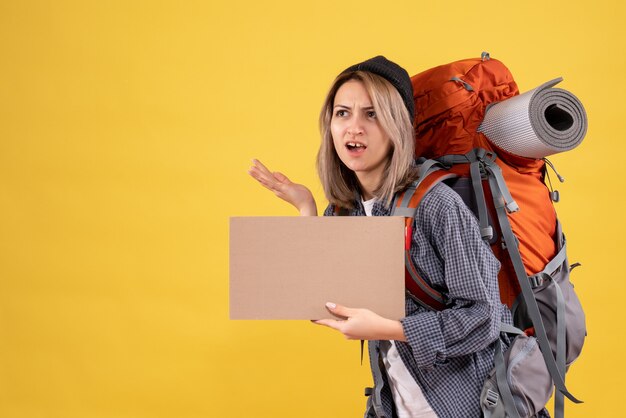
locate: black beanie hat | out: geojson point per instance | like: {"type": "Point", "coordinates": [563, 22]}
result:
{"type": "Point", "coordinates": [392, 72]}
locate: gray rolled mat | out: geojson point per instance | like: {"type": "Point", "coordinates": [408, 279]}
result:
{"type": "Point", "coordinates": [538, 123]}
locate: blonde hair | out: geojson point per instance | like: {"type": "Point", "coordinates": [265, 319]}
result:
{"type": "Point", "coordinates": [339, 182]}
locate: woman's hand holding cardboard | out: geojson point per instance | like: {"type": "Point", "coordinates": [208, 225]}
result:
{"type": "Point", "coordinates": [362, 324]}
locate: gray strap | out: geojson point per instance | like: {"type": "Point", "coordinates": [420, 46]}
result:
{"type": "Point", "coordinates": [426, 168]}
{"type": "Point", "coordinates": [510, 329]}
{"type": "Point", "coordinates": [559, 401]}
{"type": "Point", "coordinates": [493, 168]}
{"type": "Point", "coordinates": [560, 258]}
{"type": "Point", "coordinates": [527, 293]}
{"type": "Point", "coordinates": [465, 84]}
{"type": "Point", "coordinates": [486, 231]}
{"type": "Point", "coordinates": [503, 385]}
{"type": "Point", "coordinates": [557, 261]}
{"type": "Point", "coordinates": [408, 194]}
{"type": "Point", "coordinates": [474, 158]}
{"type": "Point", "coordinates": [402, 211]}
{"type": "Point", "coordinates": [374, 352]}
{"type": "Point", "coordinates": [452, 159]}
{"type": "Point", "coordinates": [559, 405]}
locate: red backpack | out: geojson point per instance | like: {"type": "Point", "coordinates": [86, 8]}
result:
{"type": "Point", "coordinates": [450, 103]}
{"type": "Point", "coordinates": [516, 216]}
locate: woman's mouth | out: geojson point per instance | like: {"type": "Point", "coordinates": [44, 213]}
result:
{"type": "Point", "coordinates": [355, 147]}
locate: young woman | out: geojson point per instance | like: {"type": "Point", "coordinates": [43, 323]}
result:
{"type": "Point", "coordinates": [432, 364]}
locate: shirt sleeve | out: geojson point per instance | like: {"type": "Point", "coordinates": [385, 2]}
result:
{"type": "Point", "coordinates": [451, 254]}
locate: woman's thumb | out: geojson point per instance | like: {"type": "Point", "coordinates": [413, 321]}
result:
{"type": "Point", "coordinates": [338, 310]}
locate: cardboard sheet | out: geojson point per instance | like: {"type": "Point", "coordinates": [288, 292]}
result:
{"type": "Point", "coordinates": [289, 267]}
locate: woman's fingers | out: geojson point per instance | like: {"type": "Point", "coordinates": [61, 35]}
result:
{"type": "Point", "coordinates": [259, 165]}
{"type": "Point", "coordinates": [281, 177]}
{"type": "Point", "coordinates": [258, 176]}
{"type": "Point", "coordinates": [339, 310]}
{"type": "Point", "coordinates": [362, 324]}
{"type": "Point", "coordinates": [259, 169]}
{"type": "Point", "coordinates": [293, 193]}
{"type": "Point", "coordinates": [331, 323]}
{"type": "Point", "coordinates": [343, 326]}
{"type": "Point", "coordinates": [260, 173]}
{"type": "Point", "coordinates": [340, 325]}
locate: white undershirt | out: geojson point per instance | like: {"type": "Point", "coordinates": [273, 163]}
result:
{"type": "Point", "coordinates": [368, 205]}
{"type": "Point", "coordinates": [407, 395]}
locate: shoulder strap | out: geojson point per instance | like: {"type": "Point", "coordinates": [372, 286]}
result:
{"type": "Point", "coordinates": [405, 205]}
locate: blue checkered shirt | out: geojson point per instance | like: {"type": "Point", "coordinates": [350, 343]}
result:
{"type": "Point", "coordinates": [449, 353]}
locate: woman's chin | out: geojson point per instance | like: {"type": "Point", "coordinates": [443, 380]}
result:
{"type": "Point", "coordinates": [355, 166]}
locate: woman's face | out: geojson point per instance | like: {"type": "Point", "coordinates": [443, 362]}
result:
{"type": "Point", "coordinates": [358, 138]}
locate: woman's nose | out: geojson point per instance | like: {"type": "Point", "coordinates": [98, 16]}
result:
{"type": "Point", "coordinates": [355, 127]}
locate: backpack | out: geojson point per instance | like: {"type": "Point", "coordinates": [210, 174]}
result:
{"type": "Point", "coordinates": [516, 216]}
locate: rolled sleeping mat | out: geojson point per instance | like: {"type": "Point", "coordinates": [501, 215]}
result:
{"type": "Point", "coordinates": [538, 123]}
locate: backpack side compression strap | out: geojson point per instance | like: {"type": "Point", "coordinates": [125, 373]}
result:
{"type": "Point", "coordinates": [416, 287]}
{"type": "Point", "coordinates": [527, 293]}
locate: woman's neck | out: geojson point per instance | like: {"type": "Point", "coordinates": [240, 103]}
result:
{"type": "Point", "coordinates": [369, 184]}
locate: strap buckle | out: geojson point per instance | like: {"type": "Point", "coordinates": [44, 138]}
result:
{"type": "Point", "coordinates": [536, 280]}
{"type": "Point", "coordinates": [555, 196]}
{"type": "Point", "coordinates": [492, 398]}
{"type": "Point", "coordinates": [484, 159]}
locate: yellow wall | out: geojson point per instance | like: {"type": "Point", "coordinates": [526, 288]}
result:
{"type": "Point", "coordinates": [126, 128]}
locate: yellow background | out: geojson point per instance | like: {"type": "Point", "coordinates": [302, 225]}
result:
{"type": "Point", "coordinates": [126, 129]}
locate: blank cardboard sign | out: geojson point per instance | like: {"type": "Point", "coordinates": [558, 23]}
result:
{"type": "Point", "coordinates": [289, 267]}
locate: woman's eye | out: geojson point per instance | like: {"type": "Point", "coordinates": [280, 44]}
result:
{"type": "Point", "coordinates": [340, 113]}
{"type": "Point", "coordinates": [371, 114]}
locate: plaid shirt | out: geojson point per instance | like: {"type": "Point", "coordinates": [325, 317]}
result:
{"type": "Point", "coordinates": [449, 353]}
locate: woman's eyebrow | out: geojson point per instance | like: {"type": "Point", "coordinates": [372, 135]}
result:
{"type": "Point", "coordinates": [368, 107]}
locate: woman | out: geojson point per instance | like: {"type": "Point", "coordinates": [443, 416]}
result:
{"type": "Point", "coordinates": [435, 363]}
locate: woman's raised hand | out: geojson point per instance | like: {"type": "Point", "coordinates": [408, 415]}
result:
{"type": "Point", "coordinates": [296, 194]}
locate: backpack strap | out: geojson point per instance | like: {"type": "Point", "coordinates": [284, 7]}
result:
{"type": "Point", "coordinates": [556, 371]}
{"type": "Point", "coordinates": [405, 205]}
{"type": "Point", "coordinates": [479, 159]}
{"type": "Point", "coordinates": [503, 386]}
{"type": "Point", "coordinates": [375, 404]}
{"type": "Point", "coordinates": [561, 332]}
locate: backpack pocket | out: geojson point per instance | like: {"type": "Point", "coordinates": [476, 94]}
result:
{"type": "Point", "coordinates": [546, 295]}
{"type": "Point", "coordinates": [574, 314]}
{"type": "Point", "coordinates": [521, 376]}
